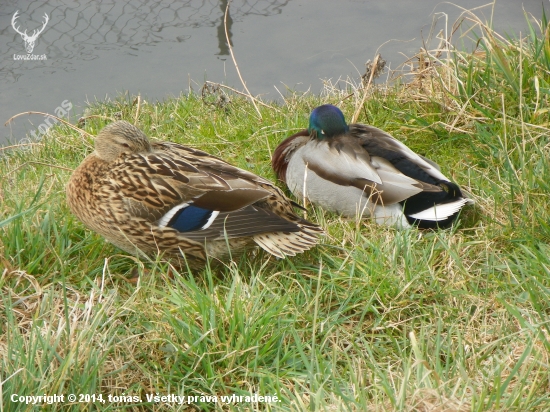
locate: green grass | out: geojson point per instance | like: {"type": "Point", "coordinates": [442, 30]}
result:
{"type": "Point", "coordinates": [372, 319]}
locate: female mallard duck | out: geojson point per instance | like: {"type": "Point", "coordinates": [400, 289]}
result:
{"type": "Point", "coordinates": [165, 197]}
{"type": "Point", "coordinates": [360, 170]}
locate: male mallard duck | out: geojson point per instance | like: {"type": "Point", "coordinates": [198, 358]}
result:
{"type": "Point", "coordinates": [165, 197]}
{"type": "Point", "coordinates": [360, 170]}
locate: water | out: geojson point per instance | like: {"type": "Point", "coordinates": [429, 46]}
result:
{"type": "Point", "coordinates": [98, 49]}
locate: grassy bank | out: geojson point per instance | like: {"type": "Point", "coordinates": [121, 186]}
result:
{"type": "Point", "coordinates": [372, 319]}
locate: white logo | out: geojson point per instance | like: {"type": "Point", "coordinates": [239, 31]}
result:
{"type": "Point", "coordinates": [29, 40]}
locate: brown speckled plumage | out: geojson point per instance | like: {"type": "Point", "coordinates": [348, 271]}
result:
{"type": "Point", "coordinates": [126, 187]}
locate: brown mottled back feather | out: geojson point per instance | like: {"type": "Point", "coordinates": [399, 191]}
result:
{"type": "Point", "coordinates": [126, 197]}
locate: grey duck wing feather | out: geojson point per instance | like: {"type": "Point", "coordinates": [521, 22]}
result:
{"type": "Point", "coordinates": [356, 166]}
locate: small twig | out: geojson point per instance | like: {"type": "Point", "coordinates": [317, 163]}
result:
{"type": "Point", "coordinates": [11, 376]}
{"type": "Point", "coordinates": [19, 145]}
{"type": "Point", "coordinates": [38, 163]}
{"type": "Point", "coordinates": [137, 109]}
{"type": "Point", "coordinates": [235, 61]}
{"type": "Point", "coordinates": [304, 196]}
{"type": "Point", "coordinates": [268, 147]}
{"type": "Point", "coordinates": [50, 115]}
{"type": "Point", "coordinates": [95, 116]}
{"type": "Point", "coordinates": [280, 94]}
{"type": "Point", "coordinates": [242, 94]}
{"type": "Point", "coordinates": [358, 108]}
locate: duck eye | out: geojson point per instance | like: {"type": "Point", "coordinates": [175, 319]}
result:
{"type": "Point", "coordinates": [125, 145]}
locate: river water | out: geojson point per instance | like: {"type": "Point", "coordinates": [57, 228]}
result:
{"type": "Point", "coordinates": [97, 49]}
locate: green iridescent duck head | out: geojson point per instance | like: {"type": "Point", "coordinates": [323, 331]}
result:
{"type": "Point", "coordinates": [327, 121]}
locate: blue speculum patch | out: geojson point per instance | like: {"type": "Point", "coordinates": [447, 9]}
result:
{"type": "Point", "coordinates": [190, 218]}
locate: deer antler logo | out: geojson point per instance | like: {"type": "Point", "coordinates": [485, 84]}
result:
{"type": "Point", "coordinates": [29, 40]}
